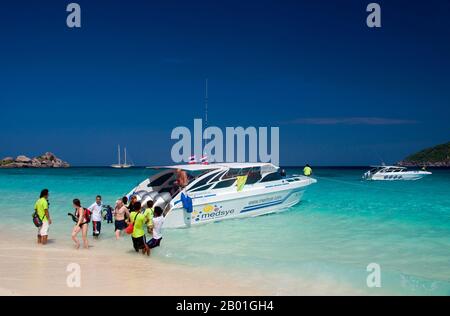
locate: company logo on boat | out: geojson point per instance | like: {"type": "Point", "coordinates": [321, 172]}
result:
{"type": "Point", "coordinates": [211, 211]}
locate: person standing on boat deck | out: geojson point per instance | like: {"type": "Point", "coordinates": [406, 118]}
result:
{"type": "Point", "coordinates": [120, 213]}
{"type": "Point", "coordinates": [180, 182]}
{"type": "Point", "coordinates": [81, 225]}
{"type": "Point", "coordinates": [96, 210]}
{"type": "Point", "coordinates": [307, 171]}
{"type": "Point", "coordinates": [41, 208]}
{"type": "Point", "coordinates": [138, 235]}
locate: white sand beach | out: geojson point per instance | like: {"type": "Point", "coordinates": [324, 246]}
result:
{"type": "Point", "coordinates": [30, 269]}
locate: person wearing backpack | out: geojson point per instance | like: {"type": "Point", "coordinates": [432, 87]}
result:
{"type": "Point", "coordinates": [83, 215]}
{"type": "Point", "coordinates": [41, 212]}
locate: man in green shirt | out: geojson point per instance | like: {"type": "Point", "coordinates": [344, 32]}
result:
{"type": "Point", "coordinates": [148, 213]}
{"type": "Point", "coordinates": [307, 171]}
{"type": "Point", "coordinates": [41, 208]}
{"type": "Point", "coordinates": [138, 236]}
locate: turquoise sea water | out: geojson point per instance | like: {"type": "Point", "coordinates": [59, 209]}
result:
{"type": "Point", "coordinates": [342, 225]}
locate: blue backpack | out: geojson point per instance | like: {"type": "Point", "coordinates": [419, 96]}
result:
{"type": "Point", "coordinates": [187, 203]}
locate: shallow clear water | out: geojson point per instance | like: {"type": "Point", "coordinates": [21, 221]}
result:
{"type": "Point", "coordinates": [342, 225]}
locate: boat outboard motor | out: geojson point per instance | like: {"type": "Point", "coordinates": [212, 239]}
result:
{"type": "Point", "coordinates": [143, 196]}
{"type": "Point", "coordinates": [140, 194]}
{"type": "Point", "coordinates": [166, 196]}
{"type": "Point", "coordinates": [152, 195]}
{"type": "Point", "coordinates": [162, 199]}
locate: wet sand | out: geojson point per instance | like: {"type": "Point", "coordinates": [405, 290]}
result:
{"type": "Point", "coordinates": [27, 268]}
{"type": "Point", "coordinates": [30, 269]}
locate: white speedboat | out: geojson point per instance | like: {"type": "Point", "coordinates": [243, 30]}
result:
{"type": "Point", "coordinates": [221, 191]}
{"type": "Point", "coordinates": [390, 173]}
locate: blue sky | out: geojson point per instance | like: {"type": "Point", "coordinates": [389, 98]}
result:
{"type": "Point", "coordinates": [341, 93]}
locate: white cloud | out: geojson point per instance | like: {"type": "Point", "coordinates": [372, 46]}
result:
{"type": "Point", "coordinates": [351, 121]}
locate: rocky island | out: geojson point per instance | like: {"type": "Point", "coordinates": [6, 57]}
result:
{"type": "Point", "coordinates": [47, 160]}
{"type": "Point", "coordinates": [437, 156]}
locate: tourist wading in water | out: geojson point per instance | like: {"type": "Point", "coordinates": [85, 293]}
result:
{"type": "Point", "coordinates": [120, 214]}
{"type": "Point", "coordinates": [137, 219]}
{"type": "Point", "coordinates": [133, 200]}
{"type": "Point", "coordinates": [109, 215]}
{"type": "Point", "coordinates": [82, 225]}
{"type": "Point", "coordinates": [96, 210]}
{"type": "Point", "coordinates": [158, 221]}
{"type": "Point", "coordinates": [148, 213]}
{"type": "Point", "coordinates": [41, 209]}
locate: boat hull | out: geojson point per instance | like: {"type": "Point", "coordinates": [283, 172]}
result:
{"type": "Point", "coordinates": [207, 210]}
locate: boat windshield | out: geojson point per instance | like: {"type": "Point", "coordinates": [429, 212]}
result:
{"type": "Point", "coordinates": [227, 178]}
{"type": "Point", "coordinates": [394, 169]}
{"type": "Point", "coordinates": [167, 177]}
{"type": "Point", "coordinates": [158, 181]}
{"type": "Point", "coordinates": [236, 172]}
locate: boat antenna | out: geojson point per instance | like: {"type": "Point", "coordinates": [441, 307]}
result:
{"type": "Point", "coordinates": [379, 156]}
{"type": "Point", "coordinates": [206, 102]}
{"type": "Point", "coordinates": [206, 114]}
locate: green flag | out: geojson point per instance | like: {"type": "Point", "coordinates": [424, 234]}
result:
{"type": "Point", "coordinates": [241, 182]}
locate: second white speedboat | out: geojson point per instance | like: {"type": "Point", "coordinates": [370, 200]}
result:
{"type": "Point", "coordinates": [390, 173]}
{"type": "Point", "coordinates": [218, 191]}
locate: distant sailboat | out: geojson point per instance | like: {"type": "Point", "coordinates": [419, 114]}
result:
{"type": "Point", "coordinates": [120, 165]}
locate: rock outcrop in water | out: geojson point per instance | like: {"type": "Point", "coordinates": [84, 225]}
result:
{"type": "Point", "coordinates": [47, 160]}
{"type": "Point", "coordinates": [437, 156]}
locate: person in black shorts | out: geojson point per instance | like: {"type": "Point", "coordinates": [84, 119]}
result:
{"type": "Point", "coordinates": [158, 221]}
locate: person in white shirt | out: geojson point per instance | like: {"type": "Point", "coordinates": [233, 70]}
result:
{"type": "Point", "coordinates": [158, 221]}
{"type": "Point", "coordinates": [96, 210]}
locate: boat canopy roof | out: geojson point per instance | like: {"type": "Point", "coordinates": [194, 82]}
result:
{"type": "Point", "coordinates": [384, 166]}
{"type": "Point", "coordinates": [265, 167]}
{"type": "Point", "coordinates": [193, 167]}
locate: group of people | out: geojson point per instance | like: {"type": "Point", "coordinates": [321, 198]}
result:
{"type": "Point", "coordinates": [129, 216]}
